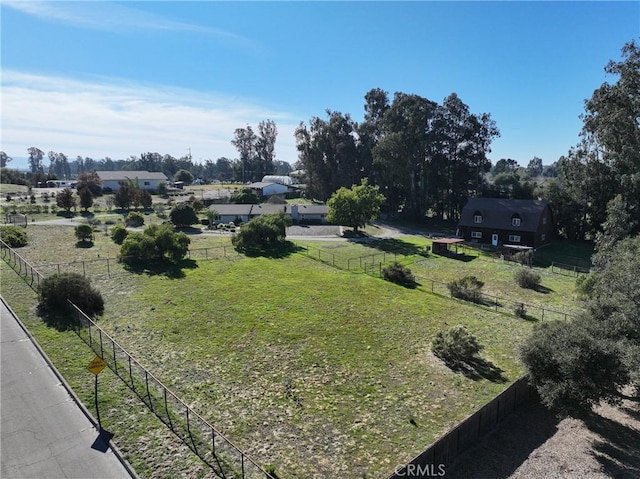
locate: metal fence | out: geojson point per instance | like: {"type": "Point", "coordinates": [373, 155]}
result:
{"type": "Point", "coordinates": [373, 264]}
{"type": "Point", "coordinates": [225, 458]}
{"type": "Point", "coordinates": [348, 263]}
{"type": "Point", "coordinates": [568, 269]}
{"type": "Point", "coordinates": [31, 275]}
{"type": "Point", "coordinates": [465, 434]}
{"type": "Point", "coordinates": [529, 312]}
{"type": "Point", "coordinates": [113, 267]}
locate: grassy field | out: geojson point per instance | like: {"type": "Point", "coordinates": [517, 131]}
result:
{"type": "Point", "coordinates": [319, 371]}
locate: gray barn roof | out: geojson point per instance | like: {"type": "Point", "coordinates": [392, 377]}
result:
{"type": "Point", "coordinates": [497, 213]}
{"type": "Point", "coordinates": [121, 175]}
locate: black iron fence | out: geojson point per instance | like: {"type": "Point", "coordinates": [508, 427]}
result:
{"type": "Point", "coordinates": [225, 458]}
{"type": "Point", "coordinates": [30, 274]}
{"type": "Point", "coordinates": [435, 458]}
{"type": "Point", "coordinates": [113, 267]}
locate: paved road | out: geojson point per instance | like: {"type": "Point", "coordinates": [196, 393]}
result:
{"type": "Point", "coordinates": [43, 433]}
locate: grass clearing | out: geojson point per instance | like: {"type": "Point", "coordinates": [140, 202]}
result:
{"type": "Point", "coordinates": [318, 371]}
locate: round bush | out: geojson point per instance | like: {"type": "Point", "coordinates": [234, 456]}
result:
{"type": "Point", "coordinates": [525, 278]}
{"type": "Point", "coordinates": [14, 236]}
{"type": "Point", "coordinates": [456, 344]}
{"type": "Point", "coordinates": [467, 288]}
{"type": "Point", "coordinates": [134, 219]}
{"type": "Point", "coordinates": [84, 232]}
{"type": "Point", "coordinates": [399, 274]}
{"type": "Point", "coordinates": [56, 290]}
{"type": "Point", "coordinates": [119, 234]}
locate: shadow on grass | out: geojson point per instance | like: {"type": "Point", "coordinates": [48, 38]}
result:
{"type": "Point", "coordinates": [283, 250]}
{"type": "Point", "coordinates": [465, 258]}
{"type": "Point", "coordinates": [170, 269]}
{"type": "Point", "coordinates": [405, 284]}
{"type": "Point", "coordinates": [66, 214]}
{"type": "Point", "coordinates": [84, 244]}
{"type": "Point", "coordinates": [618, 449]}
{"type": "Point", "coordinates": [189, 230]}
{"type": "Point", "coordinates": [542, 289]}
{"type": "Point", "coordinates": [502, 451]}
{"type": "Point", "coordinates": [389, 245]}
{"type": "Point", "coordinates": [476, 369]}
{"type": "Point", "coordinates": [60, 321]}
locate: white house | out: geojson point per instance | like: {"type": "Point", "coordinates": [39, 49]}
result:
{"type": "Point", "coordinates": [148, 180]}
{"type": "Point", "coordinates": [299, 213]}
{"type": "Point", "coordinates": [268, 189]}
{"type": "Point", "coordinates": [228, 213]}
{"type": "Point", "coordinates": [309, 213]}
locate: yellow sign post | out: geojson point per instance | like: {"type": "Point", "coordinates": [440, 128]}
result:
{"type": "Point", "coordinates": [96, 366]}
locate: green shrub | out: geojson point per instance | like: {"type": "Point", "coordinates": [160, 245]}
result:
{"type": "Point", "coordinates": [134, 219]}
{"type": "Point", "coordinates": [399, 274]}
{"type": "Point", "coordinates": [55, 290]}
{"type": "Point", "coordinates": [523, 257]}
{"type": "Point", "coordinates": [585, 285]}
{"type": "Point", "coordinates": [118, 234]}
{"type": "Point", "coordinates": [156, 243]}
{"type": "Point", "coordinates": [183, 215]}
{"type": "Point", "coordinates": [84, 232]}
{"type": "Point", "coordinates": [456, 345]}
{"type": "Point", "coordinates": [261, 232]}
{"type": "Point", "coordinates": [525, 278]}
{"type": "Point", "coordinates": [467, 288]}
{"type": "Point", "coordinates": [14, 236]}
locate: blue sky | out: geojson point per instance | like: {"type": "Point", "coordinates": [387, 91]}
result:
{"type": "Point", "coordinates": [121, 78]}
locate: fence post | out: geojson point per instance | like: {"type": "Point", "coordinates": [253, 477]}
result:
{"type": "Point", "coordinates": [432, 286]}
{"type": "Point", "coordinates": [131, 374]}
{"type": "Point", "coordinates": [58, 268]}
{"type": "Point", "coordinates": [146, 380]}
{"type": "Point", "coordinates": [101, 348]}
{"type": "Point", "coordinates": [115, 362]}
{"type": "Point", "coordinates": [213, 441]}
{"type": "Point", "coordinates": [166, 408]}
{"type": "Point", "coordinates": [108, 269]}
{"type": "Point", "coordinates": [84, 270]}
{"type": "Point", "coordinates": [542, 314]}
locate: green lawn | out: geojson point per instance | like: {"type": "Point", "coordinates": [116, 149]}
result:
{"type": "Point", "coordinates": [319, 371]}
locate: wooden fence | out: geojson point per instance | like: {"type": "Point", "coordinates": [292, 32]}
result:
{"type": "Point", "coordinates": [444, 450]}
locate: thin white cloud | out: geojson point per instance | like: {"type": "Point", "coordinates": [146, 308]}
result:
{"type": "Point", "coordinates": [117, 119]}
{"type": "Point", "coordinates": [109, 16]}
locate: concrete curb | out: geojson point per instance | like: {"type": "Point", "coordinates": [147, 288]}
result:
{"type": "Point", "coordinates": [66, 385]}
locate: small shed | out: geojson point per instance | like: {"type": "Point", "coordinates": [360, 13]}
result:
{"type": "Point", "coordinates": [441, 246]}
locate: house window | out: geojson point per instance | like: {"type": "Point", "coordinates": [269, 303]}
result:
{"type": "Point", "coordinates": [544, 220]}
{"type": "Point", "coordinates": [476, 234]}
{"type": "Point", "coordinates": [515, 221]}
{"type": "Point", "coordinates": [147, 183]}
{"type": "Point", "coordinates": [514, 238]}
{"type": "Point", "coordinates": [477, 218]}
{"type": "Point", "coordinates": [543, 237]}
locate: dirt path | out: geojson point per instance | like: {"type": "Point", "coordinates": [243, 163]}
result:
{"type": "Point", "coordinates": [532, 444]}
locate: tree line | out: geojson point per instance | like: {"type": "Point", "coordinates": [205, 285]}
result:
{"type": "Point", "coordinates": [427, 158]}
{"type": "Point", "coordinates": [256, 151]}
